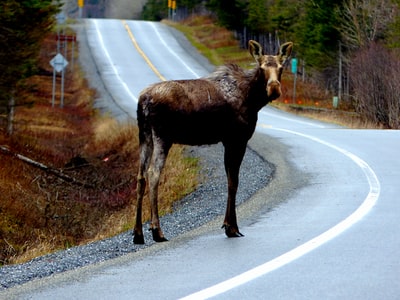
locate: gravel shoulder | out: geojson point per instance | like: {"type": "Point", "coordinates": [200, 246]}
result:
{"type": "Point", "coordinates": [197, 212]}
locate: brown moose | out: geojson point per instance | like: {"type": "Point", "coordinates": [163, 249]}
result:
{"type": "Point", "coordinates": [221, 107]}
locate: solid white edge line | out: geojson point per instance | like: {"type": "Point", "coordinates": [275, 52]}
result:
{"type": "Point", "coordinates": [172, 52]}
{"type": "Point", "coordinates": [362, 210]}
{"type": "Point", "coordinates": [111, 63]}
{"type": "Point", "coordinates": [292, 120]}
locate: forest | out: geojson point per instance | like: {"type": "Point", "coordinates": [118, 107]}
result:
{"type": "Point", "coordinates": [23, 26]}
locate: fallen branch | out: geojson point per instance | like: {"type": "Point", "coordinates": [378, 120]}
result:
{"type": "Point", "coordinates": [45, 168]}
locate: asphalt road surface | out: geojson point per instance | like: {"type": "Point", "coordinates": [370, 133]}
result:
{"type": "Point", "coordinates": [333, 235]}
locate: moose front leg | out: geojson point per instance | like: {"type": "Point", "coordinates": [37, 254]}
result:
{"type": "Point", "coordinates": [233, 158]}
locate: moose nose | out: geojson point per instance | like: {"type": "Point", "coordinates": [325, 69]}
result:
{"type": "Point", "coordinates": [273, 89]}
{"type": "Point", "coordinates": [273, 83]}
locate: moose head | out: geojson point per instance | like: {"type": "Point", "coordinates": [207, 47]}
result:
{"type": "Point", "coordinates": [271, 65]}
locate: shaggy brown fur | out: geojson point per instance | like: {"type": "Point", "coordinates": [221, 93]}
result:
{"type": "Point", "coordinates": [221, 107]}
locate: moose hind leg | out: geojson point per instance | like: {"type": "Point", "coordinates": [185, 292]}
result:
{"type": "Point", "coordinates": [160, 154]}
{"type": "Point", "coordinates": [146, 150]}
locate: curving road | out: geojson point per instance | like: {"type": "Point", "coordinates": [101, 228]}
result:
{"type": "Point", "coordinates": [333, 235]}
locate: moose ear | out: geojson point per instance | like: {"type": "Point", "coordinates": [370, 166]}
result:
{"type": "Point", "coordinates": [285, 51]}
{"type": "Point", "coordinates": [256, 50]}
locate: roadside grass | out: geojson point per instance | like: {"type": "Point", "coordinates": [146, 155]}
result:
{"type": "Point", "coordinates": [41, 212]}
{"type": "Point", "coordinates": [214, 42]}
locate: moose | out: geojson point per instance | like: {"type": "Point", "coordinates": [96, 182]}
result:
{"type": "Point", "coordinates": [221, 107]}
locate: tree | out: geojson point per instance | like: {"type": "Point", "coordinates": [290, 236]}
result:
{"type": "Point", "coordinates": [393, 32]}
{"type": "Point", "coordinates": [365, 21]}
{"type": "Point", "coordinates": [23, 25]}
{"type": "Point", "coordinates": [155, 10]}
{"type": "Point", "coordinates": [284, 15]}
{"type": "Point", "coordinates": [231, 13]}
{"type": "Point", "coordinates": [375, 76]}
{"type": "Point", "coordinates": [317, 34]}
{"type": "Point", "coordinates": [257, 17]}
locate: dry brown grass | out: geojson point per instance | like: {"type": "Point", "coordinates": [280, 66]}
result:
{"type": "Point", "coordinates": [211, 40]}
{"type": "Point", "coordinates": [40, 212]}
{"type": "Point", "coordinates": [339, 117]}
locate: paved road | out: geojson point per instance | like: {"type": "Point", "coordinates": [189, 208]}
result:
{"type": "Point", "coordinates": [334, 234]}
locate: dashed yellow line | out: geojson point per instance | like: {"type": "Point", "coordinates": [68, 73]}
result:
{"type": "Point", "coordinates": [141, 52]}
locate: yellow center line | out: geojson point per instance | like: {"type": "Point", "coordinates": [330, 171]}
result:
{"type": "Point", "coordinates": [141, 52]}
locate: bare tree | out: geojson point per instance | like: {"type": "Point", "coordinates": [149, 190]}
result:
{"type": "Point", "coordinates": [364, 21]}
{"type": "Point", "coordinates": [375, 76]}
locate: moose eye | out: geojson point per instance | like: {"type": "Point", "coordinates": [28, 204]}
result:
{"type": "Point", "coordinates": [272, 64]}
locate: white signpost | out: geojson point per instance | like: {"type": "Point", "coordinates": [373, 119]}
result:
{"type": "Point", "coordinates": [58, 63]}
{"type": "Point", "coordinates": [294, 71]}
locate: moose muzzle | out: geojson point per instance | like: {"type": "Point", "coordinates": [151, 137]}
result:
{"type": "Point", "coordinates": [273, 89]}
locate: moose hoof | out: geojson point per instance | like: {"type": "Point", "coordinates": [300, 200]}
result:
{"type": "Point", "coordinates": [232, 231]}
{"type": "Point", "coordinates": [138, 239]}
{"type": "Point", "coordinates": [157, 236]}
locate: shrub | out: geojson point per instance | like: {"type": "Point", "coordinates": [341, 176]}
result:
{"type": "Point", "coordinates": [375, 76]}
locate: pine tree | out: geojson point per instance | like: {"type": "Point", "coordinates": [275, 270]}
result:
{"type": "Point", "coordinates": [231, 14]}
{"type": "Point", "coordinates": [317, 33]}
{"type": "Point", "coordinates": [257, 19]}
{"type": "Point", "coordinates": [23, 25]}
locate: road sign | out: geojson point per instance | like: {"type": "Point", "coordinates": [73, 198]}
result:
{"type": "Point", "coordinates": [80, 3]}
{"type": "Point", "coordinates": [59, 62]}
{"type": "Point", "coordinates": [60, 17]}
{"type": "Point", "coordinates": [294, 65]}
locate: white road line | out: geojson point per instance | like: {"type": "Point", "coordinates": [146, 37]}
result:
{"type": "Point", "coordinates": [172, 52]}
{"type": "Point", "coordinates": [111, 62]}
{"type": "Point", "coordinates": [292, 120]}
{"type": "Point", "coordinates": [286, 258]}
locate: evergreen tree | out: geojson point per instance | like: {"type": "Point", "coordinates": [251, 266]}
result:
{"type": "Point", "coordinates": [257, 19]}
{"type": "Point", "coordinates": [231, 14]}
{"type": "Point", "coordinates": [155, 10]}
{"type": "Point", "coordinates": [285, 15]}
{"type": "Point", "coordinates": [317, 35]}
{"type": "Point", "coordinates": [23, 25]}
